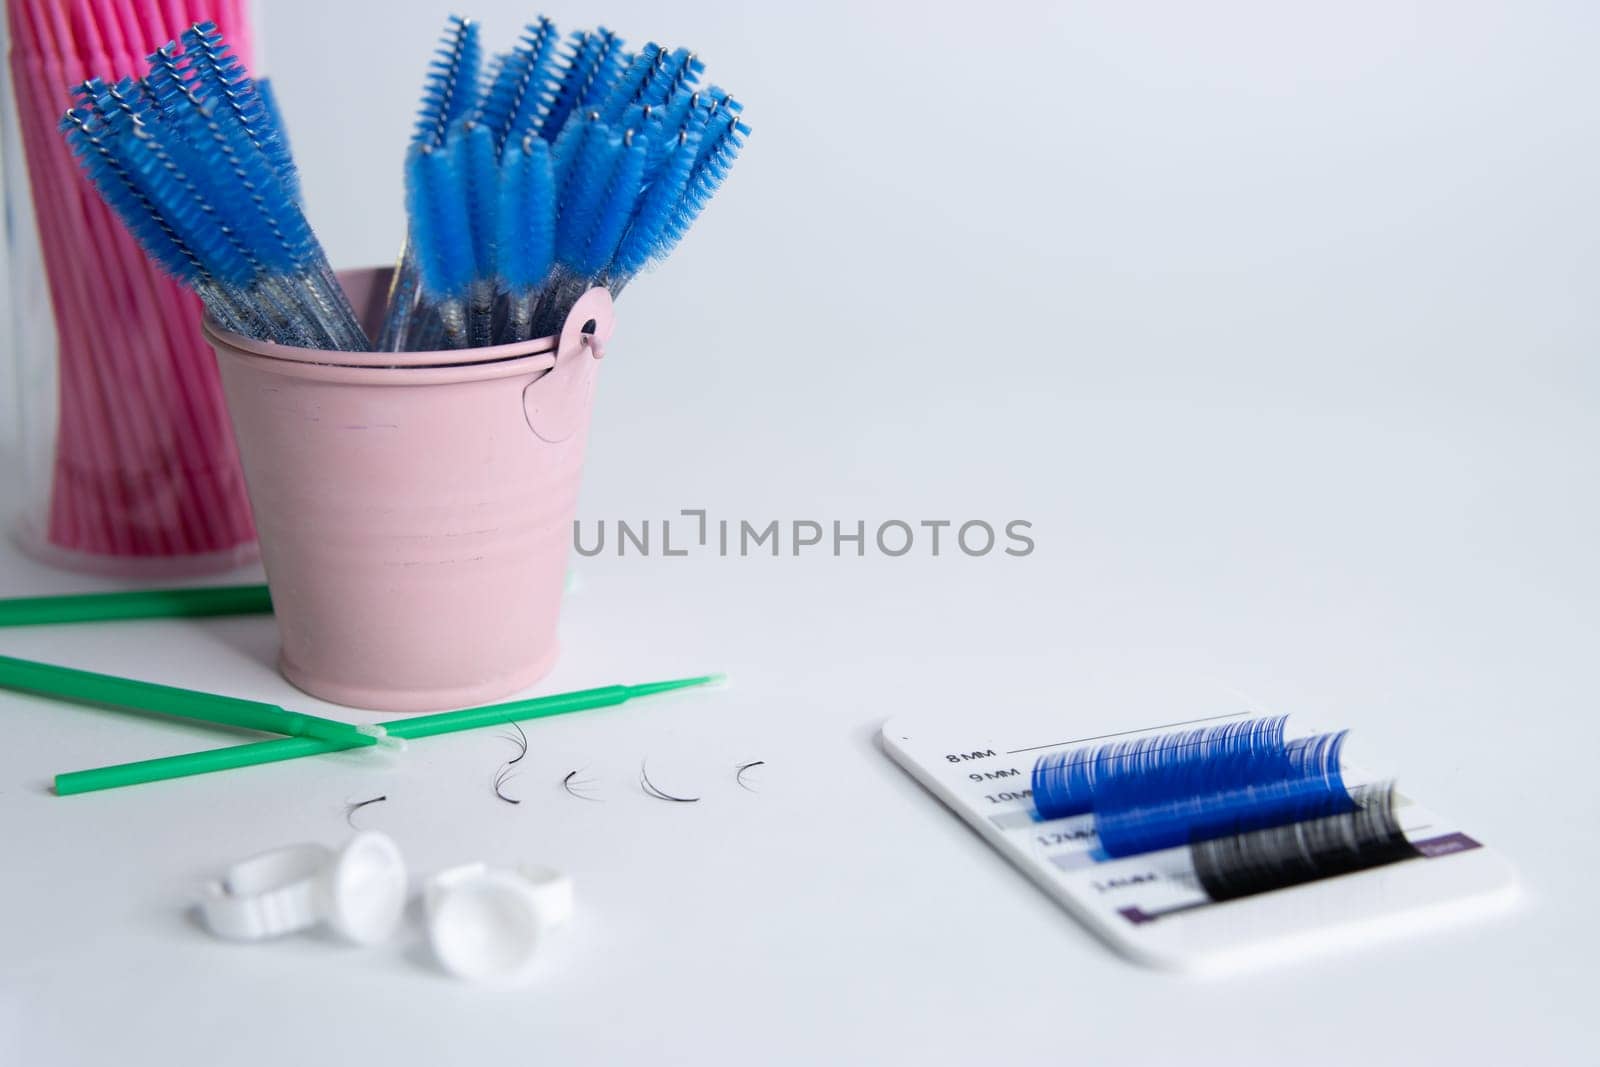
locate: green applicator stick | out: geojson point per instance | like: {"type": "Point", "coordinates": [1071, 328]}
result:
{"type": "Point", "coordinates": [409, 729]}
{"type": "Point", "coordinates": [87, 687]}
{"type": "Point", "coordinates": [136, 604]}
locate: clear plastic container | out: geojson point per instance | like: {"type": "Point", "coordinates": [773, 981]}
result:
{"type": "Point", "coordinates": [125, 456]}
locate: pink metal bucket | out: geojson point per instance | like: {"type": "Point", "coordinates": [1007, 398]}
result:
{"type": "Point", "coordinates": [415, 517]}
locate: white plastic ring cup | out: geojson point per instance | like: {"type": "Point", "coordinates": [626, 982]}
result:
{"type": "Point", "coordinates": [360, 891]}
{"type": "Point", "coordinates": [486, 923]}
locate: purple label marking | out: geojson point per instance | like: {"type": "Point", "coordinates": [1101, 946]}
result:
{"type": "Point", "coordinates": [1444, 846]}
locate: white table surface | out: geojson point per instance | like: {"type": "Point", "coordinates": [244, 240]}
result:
{"type": "Point", "coordinates": [1277, 325]}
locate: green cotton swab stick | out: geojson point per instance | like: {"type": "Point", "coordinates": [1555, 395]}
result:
{"type": "Point", "coordinates": [136, 604]}
{"type": "Point", "coordinates": [447, 722]}
{"type": "Point", "coordinates": [87, 687]}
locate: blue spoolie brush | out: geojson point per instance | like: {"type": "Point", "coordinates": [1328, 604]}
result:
{"type": "Point", "coordinates": [226, 88]}
{"type": "Point", "coordinates": [441, 239]}
{"type": "Point", "coordinates": [643, 241]}
{"type": "Point", "coordinates": [249, 110]}
{"type": "Point", "coordinates": [194, 151]}
{"type": "Point", "coordinates": [253, 197]}
{"type": "Point", "coordinates": [276, 145]}
{"type": "Point", "coordinates": [584, 158]}
{"type": "Point", "coordinates": [674, 71]}
{"type": "Point", "coordinates": [630, 86]}
{"type": "Point", "coordinates": [720, 144]}
{"type": "Point", "coordinates": [616, 207]}
{"type": "Point", "coordinates": [166, 174]}
{"type": "Point", "coordinates": [471, 149]}
{"type": "Point", "coordinates": [109, 173]}
{"type": "Point", "coordinates": [683, 183]}
{"type": "Point", "coordinates": [526, 221]}
{"type": "Point", "coordinates": [583, 193]}
{"type": "Point", "coordinates": [571, 170]}
{"type": "Point", "coordinates": [587, 72]}
{"type": "Point", "coordinates": [514, 104]}
{"type": "Point", "coordinates": [449, 95]}
{"type": "Point", "coordinates": [450, 92]}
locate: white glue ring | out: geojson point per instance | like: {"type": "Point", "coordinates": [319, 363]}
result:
{"type": "Point", "coordinates": [360, 890]}
{"type": "Point", "coordinates": [486, 924]}
{"type": "Point", "coordinates": [366, 889]}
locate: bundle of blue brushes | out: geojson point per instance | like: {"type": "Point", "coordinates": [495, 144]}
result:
{"type": "Point", "coordinates": [530, 179]}
{"type": "Point", "coordinates": [551, 174]}
{"type": "Point", "coordinates": [192, 158]}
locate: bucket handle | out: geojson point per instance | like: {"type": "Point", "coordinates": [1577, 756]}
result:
{"type": "Point", "coordinates": [557, 403]}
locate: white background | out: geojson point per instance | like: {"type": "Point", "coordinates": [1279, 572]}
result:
{"type": "Point", "coordinates": [1276, 321]}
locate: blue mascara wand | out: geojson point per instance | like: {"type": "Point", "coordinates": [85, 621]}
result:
{"type": "Point", "coordinates": [526, 220]}
{"type": "Point", "coordinates": [276, 144]}
{"type": "Point", "coordinates": [631, 84]}
{"type": "Point", "coordinates": [583, 192]}
{"type": "Point", "coordinates": [640, 243]}
{"type": "Point", "coordinates": [194, 151]}
{"type": "Point", "coordinates": [145, 220]}
{"type": "Point", "coordinates": [257, 202]}
{"type": "Point", "coordinates": [720, 145]}
{"type": "Point", "coordinates": [517, 96]}
{"type": "Point", "coordinates": [583, 160]}
{"type": "Point", "coordinates": [449, 94]}
{"type": "Point", "coordinates": [222, 82]}
{"type": "Point", "coordinates": [616, 206]}
{"type": "Point", "coordinates": [686, 182]}
{"type": "Point", "coordinates": [471, 149]}
{"type": "Point", "coordinates": [561, 172]}
{"type": "Point", "coordinates": [169, 175]}
{"type": "Point", "coordinates": [440, 235]}
{"type": "Point", "coordinates": [588, 70]}
{"type": "Point", "coordinates": [674, 71]}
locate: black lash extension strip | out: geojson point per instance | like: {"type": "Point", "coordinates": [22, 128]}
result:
{"type": "Point", "coordinates": [1263, 860]}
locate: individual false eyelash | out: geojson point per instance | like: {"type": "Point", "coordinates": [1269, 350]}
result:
{"type": "Point", "coordinates": [1261, 860]}
{"type": "Point", "coordinates": [1313, 787]}
{"type": "Point", "coordinates": [651, 789]}
{"type": "Point", "coordinates": [352, 808]}
{"type": "Point", "coordinates": [500, 779]}
{"type": "Point", "coordinates": [738, 776]}
{"type": "Point", "coordinates": [505, 773]}
{"type": "Point", "coordinates": [521, 740]}
{"type": "Point", "coordinates": [573, 788]}
{"type": "Point", "coordinates": [1148, 770]}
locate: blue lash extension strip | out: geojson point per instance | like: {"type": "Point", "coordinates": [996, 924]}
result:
{"type": "Point", "coordinates": [1175, 789]}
